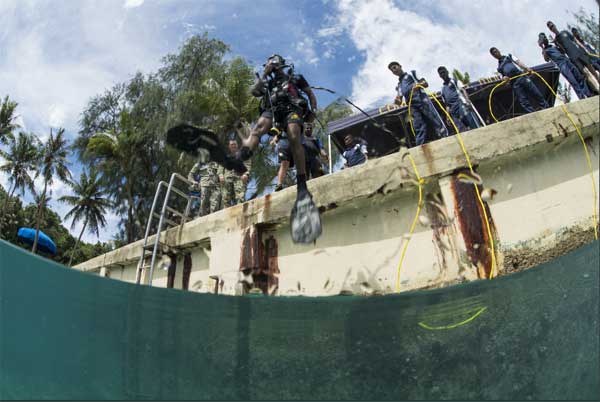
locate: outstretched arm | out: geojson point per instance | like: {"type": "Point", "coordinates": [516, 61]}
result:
{"type": "Point", "coordinates": [311, 98]}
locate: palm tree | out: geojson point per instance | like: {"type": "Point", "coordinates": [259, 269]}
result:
{"type": "Point", "coordinates": [119, 162]}
{"type": "Point", "coordinates": [88, 205]}
{"type": "Point", "coordinates": [227, 96]}
{"type": "Point", "coordinates": [7, 117]}
{"type": "Point", "coordinates": [53, 163]}
{"type": "Point", "coordinates": [21, 160]}
{"type": "Point", "coordinates": [465, 78]}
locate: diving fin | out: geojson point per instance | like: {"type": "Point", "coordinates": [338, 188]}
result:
{"type": "Point", "coordinates": [305, 220]}
{"type": "Point", "coordinates": [191, 140]}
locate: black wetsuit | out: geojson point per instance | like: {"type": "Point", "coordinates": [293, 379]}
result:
{"type": "Point", "coordinates": [287, 103]}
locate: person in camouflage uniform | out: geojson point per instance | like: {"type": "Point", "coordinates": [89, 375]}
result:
{"type": "Point", "coordinates": [194, 189]}
{"type": "Point", "coordinates": [210, 188]}
{"type": "Point", "coordinates": [233, 185]}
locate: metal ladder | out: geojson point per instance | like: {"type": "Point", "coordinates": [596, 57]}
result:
{"type": "Point", "coordinates": [157, 247]}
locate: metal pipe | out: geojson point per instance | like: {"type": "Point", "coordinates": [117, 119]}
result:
{"type": "Point", "coordinates": [160, 222]}
{"type": "Point", "coordinates": [148, 225]}
{"type": "Point", "coordinates": [329, 153]}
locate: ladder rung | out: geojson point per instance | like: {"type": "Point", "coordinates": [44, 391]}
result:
{"type": "Point", "coordinates": [179, 192]}
{"type": "Point", "coordinates": [174, 211]}
{"type": "Point", "coordinates": [161, 247]}
{"type": "Point", "coordinates": [170, 222]}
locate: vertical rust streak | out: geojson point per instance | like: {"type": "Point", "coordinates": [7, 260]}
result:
{"type": "Point", "coordinates": [172, 270]}
{"type": "Point", "coordinates": [272, 264]}
{"type": "Point", "coordinates": [439, 227]}
{"type": "Point", "coordinates": [267, 210]}
{"type": "Point", "coordinates": [250, 252]}
{"type": "Point", "coordinates": [259, 259]}
{"type": "Point", "coordinates": [428, 159]}
{"type": "Point", "coordinates": [244, 217]}
{"type": "Point", "coordinates": [473, 226]}
{"type": "Point", "coordinates": [187, 270]}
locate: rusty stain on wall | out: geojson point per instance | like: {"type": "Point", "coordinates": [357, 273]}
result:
{"type": "Point", "coordinates": [172, 270]}
{"type": "Point", "coordinates": [472, 224]}
{"type": "Point", "coordinates": [440, 224]}
{"type": "Point", "coordinates": [260, 260]}
{"type": "Point", "coordinates": [187, 270]}
{"type": "Point", "coordinates": [267, 208]}
{"type": "Point", "coordinates": [272, 257]}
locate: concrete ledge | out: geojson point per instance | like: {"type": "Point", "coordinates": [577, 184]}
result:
{"type": "Point", "coordinates": [390, 176]}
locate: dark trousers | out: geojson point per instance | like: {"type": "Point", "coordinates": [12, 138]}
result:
{"type": "Point", "coordinates": [523, 87]}
{"type": "Point", "coordinates": [422, 114]}
{"type": "Point", "coordinates": [464, 117]}
{"type": "Point", "coordinates": [576, 79]}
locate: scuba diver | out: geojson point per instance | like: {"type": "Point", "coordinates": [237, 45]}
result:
{"type": "Point", "coordinates": [282, 108]}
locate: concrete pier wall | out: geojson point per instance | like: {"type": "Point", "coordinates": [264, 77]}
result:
{"type": "Point", "coordinates": [534, 180]}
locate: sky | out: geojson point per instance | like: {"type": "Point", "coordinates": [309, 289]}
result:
{"type": "Point", "coordinates": [56, 55]}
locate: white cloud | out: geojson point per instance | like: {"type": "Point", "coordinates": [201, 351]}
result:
{"type": "Point", "coordinates": [307, 52]}
{"type": "Point", "coordinates": [452, 33]}
{"type": "Point", "coordinates": [133, 3]}
{"type": "Point", "coordinates": [4, 179]}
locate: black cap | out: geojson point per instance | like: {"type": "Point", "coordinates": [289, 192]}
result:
{"type": "Point", "coordinates": [393, 63]}
{"type": "Point", "coordinates": [275, 59]}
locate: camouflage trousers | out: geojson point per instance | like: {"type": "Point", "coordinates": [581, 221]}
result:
{"type": "Point", "coordinates": [234, 191]}
{"type": "Point", "coordinates": [210, 198]}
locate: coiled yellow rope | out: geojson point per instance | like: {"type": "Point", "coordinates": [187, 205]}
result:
{"type": "Point", "coordinates": [577, 129]}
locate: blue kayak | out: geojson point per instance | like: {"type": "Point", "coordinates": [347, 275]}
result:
{"type": "Point", "coordinates": [45, 243]}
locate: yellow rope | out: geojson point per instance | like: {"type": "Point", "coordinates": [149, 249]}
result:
{"type": "Point", "coordinates": [468, 159]}
{"type": "Point", "coordinates": [585, 150]}
{"type": "Point", "coordinates": [496, 86]}
{"type": "Point", "coordinates": [481, 310]}
{"type": "Point", "coordinates": [592, 54]}
{"type": "Point", "coordinates": [414, 222]}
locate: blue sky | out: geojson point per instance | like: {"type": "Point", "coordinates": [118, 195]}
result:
{"type": "Point", "coordinates": [56, 55]}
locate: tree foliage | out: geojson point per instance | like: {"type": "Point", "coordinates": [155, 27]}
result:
{"type": "Point", "coordinates": [21, 162]}
{"type": "Point", "coordinates": [53, 159]}
{"type": "Point", "coordinates": [7, 119]}
{"type": "Point", "coordinates": [89, 205]}
{"type": "Point", "coordinates": [122, 135]}
{"type": "Point", "coordinates": [464, 78]}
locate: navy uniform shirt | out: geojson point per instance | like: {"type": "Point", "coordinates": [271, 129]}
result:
{"type": "Point", "coordinates": [451, 95]}
{"type": "Point", "coordinates": [355, 155]}
{"type": "Point", "coordinates": [507, 66]}
{"type": "Point", "coordinates": [566, 41]}
{"type": "Point", "coordinates": [406, 82]}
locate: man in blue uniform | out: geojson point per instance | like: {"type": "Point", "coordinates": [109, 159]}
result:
{"type": "Point", "coordinates": [523, 86]}
{"type": "Point", "coordinates": [567, 69]}
{"type": "Point", "coordinates": [355, 153]}
{"type": "Point", "coordinates": [590, 50]}
{"type": "Point", "coordinates": [566, 42]}
{"type": "Point", "coordinates": [456, 102]}
{"type": "Point", "coordinates": [421, 109]}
